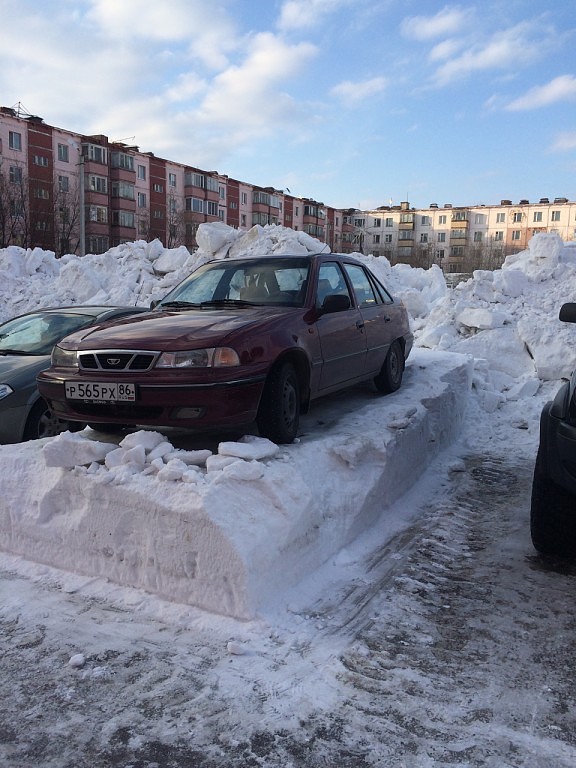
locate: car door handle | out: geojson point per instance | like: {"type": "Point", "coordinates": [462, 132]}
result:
{"type": "Point", "coordinates": [359, 324]}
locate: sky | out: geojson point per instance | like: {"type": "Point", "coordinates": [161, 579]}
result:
{"type": "Point", "coordinates": [353, 103]}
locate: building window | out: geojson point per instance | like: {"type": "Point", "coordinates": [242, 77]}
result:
{"type": "Point", "coordinates": [478, 237]}
{"type": "Point", "coordinates": [123, 218]}
{"type": "Point", "coordinates": [40, 160]}
{"type": "Point", "coordinates": [442, 219]}
{"type": "Point", "coordinates": [63, 184]}
{"type": "Point", "coordinates": [122, 160]}
{"type": "Point", "coordinates": [457, 251]}
{"type": "Point", "coordinates": [63, 153]}
{"type": "Point", "coordinates": [388, 238]}
{"type": "Point", "coordinates": [389, 222]}
{"type": "Point", "coordinates": [41, 194]}
{"type": "Point", "coordinates": [158, 187]}
{"type": "Point", "coordinates": [357, 222]}
{"type": "Point", "coordinates": [424, 237]}
{"type": "Point", "coordinates": [555, 215]}
{"type": "Point", "coordinates": [377, 222]}
{"type": "Point", "coordinates": [211, 208]}
{"type": "Point", "coordinates": [243, 220]}
{"type": "Point", "coordinates": [425, 221]}
{"type": "Point", "coordinates": [171, 179]}
{"type": "Point", "coordinates": [460, 216]}
{"type": "Point", "coordinates": [141, 200]}
{"type": "Point", "coordinates": [97, 213]}
{"type": "Point", "coordinates": [142, 172]}
{"type": "Point", "coordinates": [98, 184]}
{"type": "Point", "coordinates": [245, 200]}
{"type": "Point", "coordinates": [376, 239]}
{"type": "Point", "coordinates": [516, 234]}
{"type": "Point", "coordinates": [95, 153]}
{"type": "Point", "coordinates": [500, 218]}
{"type": "Point", "coordinates": [15, 174]}
{"type": "Point", "coordinates": [123, 189]}
{"type": "Point", "coordinates": [157, 214]}
{"type": "Point", "coordinates": [537, 215]}
{"type": "Point", "coordinates": [499, 235]}
{"type": "Point", "coordinates": [517, 218]}
{"type": "Point", "coordinates": [479, 218]}
{"type": "Point", "coordinates": [441, 237]}
{"type": "Point", "coordinates": [195, 204]}
{"type": "Point", "coordinates": [14, 140]}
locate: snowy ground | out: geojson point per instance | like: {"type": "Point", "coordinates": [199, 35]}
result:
{"type": "Point", "coordinates": [436, 637]}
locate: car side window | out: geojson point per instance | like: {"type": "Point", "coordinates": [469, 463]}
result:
{"type": "Point", "coordinates": [330, 281]}
{"type": "Point", "coordinates": [363, 288]}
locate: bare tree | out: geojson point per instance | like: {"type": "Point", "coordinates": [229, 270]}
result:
{"type": "Point", "coordinates": [66, 215]}
{"type": "Point", "coordinates": [14, 209]}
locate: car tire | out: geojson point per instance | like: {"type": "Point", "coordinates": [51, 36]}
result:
{"type": "Point", "coordinates": [552, 516]}
{"type": "Point", "coordinates": [279, 412]}
{"type": "Point", "coordinates": [390, 377]}
{"type": "Point", "coordinates": [41, 422]}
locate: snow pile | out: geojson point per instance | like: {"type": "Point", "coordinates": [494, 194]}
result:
{"type": "Point", "coordinates": [227, 531]}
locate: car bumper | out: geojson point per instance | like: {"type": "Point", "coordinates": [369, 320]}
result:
{"type": "Point", "coordinates": [196, 406]}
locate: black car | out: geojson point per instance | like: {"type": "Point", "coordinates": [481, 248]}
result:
{"type": "Point", "coordinates": [553, 509]}
{"type": "Point", "coordinates": [26, 342]}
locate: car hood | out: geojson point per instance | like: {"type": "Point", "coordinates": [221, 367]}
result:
{"type": "Point", "coordinates": [163, 329]}
{"type": "Point", "coordinates": [14, 368]}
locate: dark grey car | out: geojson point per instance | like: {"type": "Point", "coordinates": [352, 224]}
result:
{"type": "Point", "coordinates": [553, 508]}
{"type": "Point", "coordinates": [26, 342]}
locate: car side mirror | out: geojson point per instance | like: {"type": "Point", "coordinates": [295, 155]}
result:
{"type": "Point", "coordinates": [568, 312]}
{"type": "Point", "coordinates": [154, 304]}
{"type": "Point", "coordinates": [335, 302]}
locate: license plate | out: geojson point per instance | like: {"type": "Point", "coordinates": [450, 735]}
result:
{"type": "Point", "coordinates": [96, 391]}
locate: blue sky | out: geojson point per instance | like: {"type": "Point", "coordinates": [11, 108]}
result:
{"type": "Point", "coordinates": [351, 102]}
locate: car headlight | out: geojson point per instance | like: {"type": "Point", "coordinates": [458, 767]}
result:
{"type": "Point", "coordinates": [213, 357]}
{"type": "Point", "coordinates": [64, 358]}
{"type": "Point", "coordinates": [5, 390]}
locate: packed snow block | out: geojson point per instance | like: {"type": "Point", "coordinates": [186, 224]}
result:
{"type": "Point", "coordinates": [239, 532]}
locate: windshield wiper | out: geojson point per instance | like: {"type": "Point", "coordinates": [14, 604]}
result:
{"type": "Point", "coordinates": [177, 304]}
{"type": "Point", "coordinates": [228, 302]}
{"type": "Point", "coordinates": [17, 352]}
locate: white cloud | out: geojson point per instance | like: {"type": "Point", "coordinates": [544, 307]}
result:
{"type": "Point", "coordinates": [249, 99]}
{"type": "Point", "coordinates": [562, 88]}
{"type": "Point", "coordinates": [349, 91]}
{"type": "Point", "coordinates": [506, 49]}
{"type": "Point", "coordinates": [565, 142]}
{"type": "Point", "coordinates": [447, 21]}
{"type": "Point", "coordinates": [204, 28]}
{"type": "Point", "coordinates": [300, 14]}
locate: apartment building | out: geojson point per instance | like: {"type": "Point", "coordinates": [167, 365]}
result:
{"type": "Point", "coordinates": [71, 193]}
{"type": "Point", "coordinates": [458, 238]}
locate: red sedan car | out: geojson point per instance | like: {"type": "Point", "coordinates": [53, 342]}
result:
{"type": "Point", "coordinates": [239, 340]}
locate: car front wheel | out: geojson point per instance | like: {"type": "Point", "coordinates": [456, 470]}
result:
{"type": "Point", "coordinates": [552, 516]}
{"type": "Point", "coordinates": [279, 412]}
{"type": "Point", "coordinates": [390, 377]}
{"type": "Point", "coordinates": [42, 422]}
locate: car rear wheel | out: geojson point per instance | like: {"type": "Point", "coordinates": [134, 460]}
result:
{"type": "Point", "coordinates": [552, 516]}
{"type": "Point", "coordinates": [390, 377]}
{"type": "Point", "coordinates": [279, 412]}
{"type": "Point", "coordinates": [42, 422]}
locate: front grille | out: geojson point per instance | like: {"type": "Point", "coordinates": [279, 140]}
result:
{"type": "Point", "coordinates": [116, 360]}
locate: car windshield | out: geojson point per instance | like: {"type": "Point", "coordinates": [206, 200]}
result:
{"type": "Point", "coordinates": [36, 334]}
{"type": "Point", "coordinates": [244, 282]}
